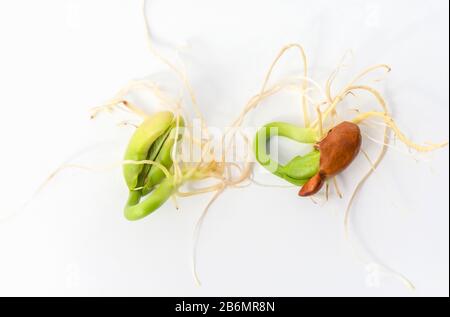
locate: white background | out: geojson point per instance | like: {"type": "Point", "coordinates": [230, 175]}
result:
{"type": "Point", "coordinates": [60, 58]}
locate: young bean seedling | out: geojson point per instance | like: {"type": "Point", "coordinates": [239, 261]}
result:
{"type": "Point", "coordinates": [334, 150]}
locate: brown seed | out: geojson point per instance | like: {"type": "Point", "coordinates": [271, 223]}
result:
{"type": "Point", "coordinates": [312, 186]}
{"type": "Point", "coordinates": [337, 150]}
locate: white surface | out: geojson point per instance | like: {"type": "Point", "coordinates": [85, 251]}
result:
{"type": "Point", "coordinates": [59, 58]}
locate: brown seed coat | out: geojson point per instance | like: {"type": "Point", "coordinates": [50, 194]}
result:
{"type": "Point", "coordinates": [337, 150]}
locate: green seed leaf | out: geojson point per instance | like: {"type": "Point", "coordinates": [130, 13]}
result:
{"type": "Point", "coordinates": [155, 175]}
{"type": "Point", "coordinates": [303, 167]}
{"type": "Point", "coordinates": [141, 141]}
